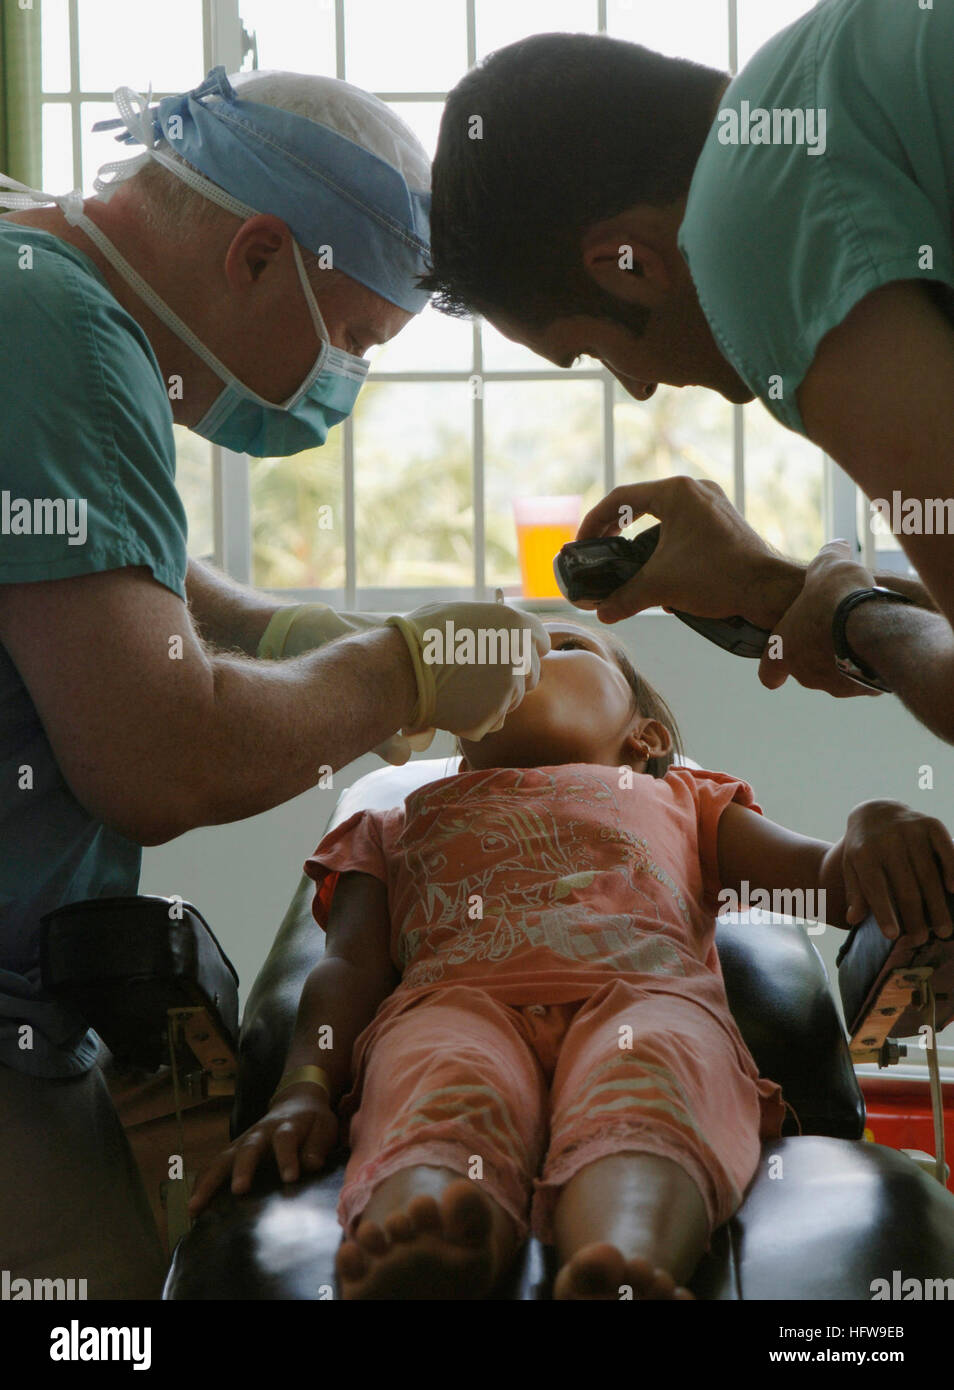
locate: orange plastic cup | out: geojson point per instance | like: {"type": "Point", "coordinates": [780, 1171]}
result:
{"type": "Point", "coordinates": [544, 524]}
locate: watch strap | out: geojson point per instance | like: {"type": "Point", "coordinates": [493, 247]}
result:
{"type": "Point", "coordinates": [846, 659]}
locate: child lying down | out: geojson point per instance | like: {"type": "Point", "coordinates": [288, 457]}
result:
{"type": "Point", "coordinates": [529, 1024]}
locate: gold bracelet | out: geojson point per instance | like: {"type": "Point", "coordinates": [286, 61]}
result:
{"type": "Point", "coordinates": [313, 1074]}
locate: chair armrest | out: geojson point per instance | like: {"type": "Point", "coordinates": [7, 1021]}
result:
{"type": "Point", "coordinates": [123, 963]}
{"type": "Point", "coordinates": [882, 985]}
{"type": "Point", "coordinates": [780, 998]}
{"type": "Point", "coordinates": [269, 1018]}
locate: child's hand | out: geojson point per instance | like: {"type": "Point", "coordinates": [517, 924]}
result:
{"type": "Point", "coordinates": [897, 864]}
{"type": "Point", "coordinates": [300, 1128]}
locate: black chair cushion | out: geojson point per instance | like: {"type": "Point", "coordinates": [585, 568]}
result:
{"type": "Point", "coordinates": [822, 1219]}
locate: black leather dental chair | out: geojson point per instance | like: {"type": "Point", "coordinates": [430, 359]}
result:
{"type": "Point", "coordinates": [826, 1214]}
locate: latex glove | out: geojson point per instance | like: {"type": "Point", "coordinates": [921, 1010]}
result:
{"type": "Point", "coordinates": [471, 693]}
{"type": "Point", "coordinates": [303, 627]}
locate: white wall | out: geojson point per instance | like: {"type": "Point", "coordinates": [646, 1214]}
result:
{"type": "Point", "coordinates": [810, 758]}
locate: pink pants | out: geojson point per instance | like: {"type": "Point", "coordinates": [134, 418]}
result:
{"type": "Point", "coordinates": [461, 1081]}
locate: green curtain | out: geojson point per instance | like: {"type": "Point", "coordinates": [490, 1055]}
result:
{"type": "Point", "coordinates": [21, 154]}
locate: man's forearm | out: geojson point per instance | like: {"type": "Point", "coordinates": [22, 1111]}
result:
{"type": "Point", "coordinates": [228, 616]}
{"type": "Point", "coordinates": [269, 728]}
{"type": "Point", "coordinates": [913, 650]}
{"type": "Point", "coordinates": [911, 588]}
{"type": "Point", "coordinates": [782, 579]}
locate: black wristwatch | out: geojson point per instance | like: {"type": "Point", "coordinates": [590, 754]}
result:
{"type": "Point", "coordinates": [847, 661]}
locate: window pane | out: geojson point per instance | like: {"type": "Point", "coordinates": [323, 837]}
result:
{"type": "Point", "coordinates": [194, 481]}
{"type": "Point", "coordinates": [55, 45]}
{"type": "Point", "coordinates": [57, 147]}
{"type": "Point", "coordinates": [100, 147]}
{"type": "Point", "coordinates": [502, 355]}
{"type": "Point", "coordinates": [888, 551]}
{"type": "Point", "coordinates": [430, 342]}
{"type": "Point", "coordinates": [760, 19]}
{"type": "Point", "coordinates": [291, 36]}
{"type": "Point", "coordinates": [298, 523]}
{"type": "Point", "coordinates": [500, 22]}
{"type": "Point", "coordinates": [541, 439]}
{"type": "Point", "coordinates": [784, 481]}
{"type": "Point", "coordinates": [414, 486]}
{"type": "Point", "coordinates": [392, 47]}
{"type": "Point", "coordinates": [424, 118]}
{"type": "Point", "coordinates": [121, 45]}
{"type": "Point", "coordinates": [694, 29]}
{"type": "Point", "coordinates": [687, 430]}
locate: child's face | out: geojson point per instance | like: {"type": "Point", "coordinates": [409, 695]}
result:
{"type": "Point", "coordinates": [580, 712]}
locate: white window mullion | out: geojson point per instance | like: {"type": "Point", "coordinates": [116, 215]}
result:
{"type": "Point", "coordinates": [477, 445]}
{"type": "Point", "coordinates": [340, 39]}
{"type": "Point", "coordinates": [738, 419]}
{"type": "Point", "coordinates": [350, 524]}
{"type": "Point", "coordinates": [738, 458]}
{"type": "Point", "coordinates": [841, 506]}
{"type": "Point", "coordinates": [609, 433]}
{"type": "Point", "coordinates": [75, 106]}
{"type": "Point", "coordinates": [222, 34]}
{"type": "Point", "coordinates": [231, 504]}
{"type": "Point", "coordinates": [231, 481]}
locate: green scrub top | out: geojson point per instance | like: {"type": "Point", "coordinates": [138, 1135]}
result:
{"type": "Point", "coordinates": [87, 483]}
{"type": "Point", "coordinates": [782, 239]}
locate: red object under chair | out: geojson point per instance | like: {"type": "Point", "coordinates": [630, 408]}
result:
{"type": "Point", "coordinates": [898, 1114]}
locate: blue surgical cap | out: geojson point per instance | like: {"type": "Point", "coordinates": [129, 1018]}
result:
{"type": "Point", "coordinates": [329, 190]}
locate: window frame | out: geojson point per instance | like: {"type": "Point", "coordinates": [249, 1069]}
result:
{"type": "Point", "coordinates": [226, 41]}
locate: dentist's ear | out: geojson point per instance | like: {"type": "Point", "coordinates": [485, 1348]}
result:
{"type": "Point", "coordinates": [624, 264]}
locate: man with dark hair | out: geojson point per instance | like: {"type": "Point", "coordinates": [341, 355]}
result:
{"type": "Point", "coordinates": [779, 236]}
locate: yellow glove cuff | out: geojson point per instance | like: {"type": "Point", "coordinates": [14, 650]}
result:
{"type": "Point", "coordinates": [272, 644]}
{"type": "Point", "coordinates": [423, 712]}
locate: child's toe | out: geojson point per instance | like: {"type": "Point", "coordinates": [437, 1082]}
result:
{"type": "Point", "coordinates": [467, 1218]}
{"type": "Point", "coordinates": [351, 1261]}
{"type": "Point", "coordinates": [371, 1238]}
{"type": "Point", "coordinates": [425, 1214]}
{"type": "Point", "coordinates": [399, 1227]}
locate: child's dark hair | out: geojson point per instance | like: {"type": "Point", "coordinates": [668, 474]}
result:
{"type": "Point", "coordinates": [650, 704]}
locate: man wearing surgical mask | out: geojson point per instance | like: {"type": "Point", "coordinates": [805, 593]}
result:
{"type": "Point", "coordinates": [140, 694]}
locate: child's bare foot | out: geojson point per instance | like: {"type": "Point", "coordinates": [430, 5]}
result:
{"type": "Point", "coordinates": [601, 1272]}
{"type": "Point", "coordinates": [428, 1250]}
